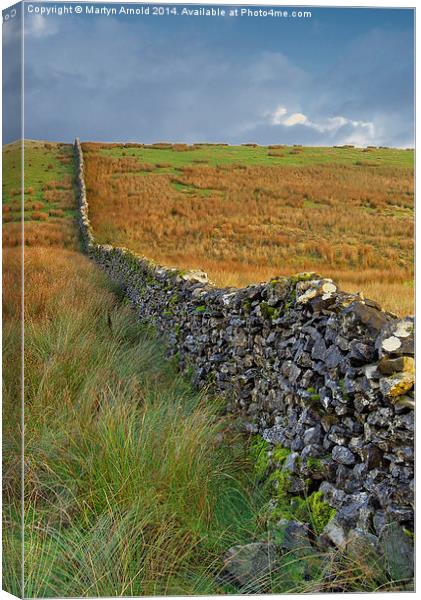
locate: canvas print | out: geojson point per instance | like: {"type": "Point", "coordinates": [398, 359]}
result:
{"type": "Point", "coordinates": [208, 277]}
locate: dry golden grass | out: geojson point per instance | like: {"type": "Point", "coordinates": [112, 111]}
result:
{"type": "Point", "coordinates": [129, 489]}
{"type": "Point", "coordinates": [48, 271]}
{"type": "Point", "coordinates": [58, 232]}
{"type": "Point", "coordinates": [244, 223]}
{"type": "Point", "coordinates": [95, 377]}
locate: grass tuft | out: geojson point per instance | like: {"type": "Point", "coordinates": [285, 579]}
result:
{"type": "Point", "coordinates": [128, 489]}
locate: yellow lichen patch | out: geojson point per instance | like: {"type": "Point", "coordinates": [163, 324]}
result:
{"type": "Point", "coordinates": [400, 384]}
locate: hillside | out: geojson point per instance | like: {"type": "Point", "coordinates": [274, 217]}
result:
{"type": "Point", "coordinates": [247, 213]}
{"type": "Point", "coordinates": [135, 482]}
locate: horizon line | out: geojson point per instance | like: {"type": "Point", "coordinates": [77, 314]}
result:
{"type": "Point", "coordinates": [255, 144]}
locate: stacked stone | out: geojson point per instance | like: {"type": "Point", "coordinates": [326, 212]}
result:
{"type": "Point", "coordinates": [84, 222]}
{"type": "Point", "coordinates": [327, 374]}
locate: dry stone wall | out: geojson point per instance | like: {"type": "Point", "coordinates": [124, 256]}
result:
{"type": "Point", "coordinates": [326, 374]}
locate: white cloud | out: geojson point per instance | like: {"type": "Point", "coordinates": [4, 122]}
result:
{"type": "Point", "coordinates": [278, 113]}
{"type": "Point", "coordinates": [333, 123]}
{"type": "Point", "coordinates": [39, 26]}
{"type": "Point", "coordinates": [356, 132]}
{"type": "Point", "coordinates": [296, 119]}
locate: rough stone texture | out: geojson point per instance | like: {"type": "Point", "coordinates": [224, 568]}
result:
{"type": "Point", "coordinates": [293, 536]}
{"type": "Point", "coordinates": [397, 550]}
{"type": "Point", "coordinates": [335, 534]}
{"type": "Point", "coordinates": [325, 373]}
{"type": "Point", "coordinates": [250, 566]}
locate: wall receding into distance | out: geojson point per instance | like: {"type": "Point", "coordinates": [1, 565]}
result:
{"type": "Point", "coordinates": [327, 374]}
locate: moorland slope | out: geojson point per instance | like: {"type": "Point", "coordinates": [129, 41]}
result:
{"type": "Point", "coordinates": [245, 214]}
{"type": "Point", "coordinates": [134, 483]}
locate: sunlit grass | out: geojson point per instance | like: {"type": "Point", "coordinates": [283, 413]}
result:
{"type": "Point", "coordinates": [246, 214]}
{"type": "Point", "coordinates": [135, 484]}
{"type": "Point", "coordinates": [127, 484]}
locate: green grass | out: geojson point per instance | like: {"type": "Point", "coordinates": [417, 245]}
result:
{"type": "Point", "coordinates": [291, 156]}
{"type": "Point", "coordinates": [191, 189]}
{"type": "Point", "coordinates": [135, 484]}
{"type": "Point", "coordinates": [12, 171]}
{"type": "Point", "coordinates": [41, 166]}
{"type": "Point", "coordinates": [38, 156]}
{"type": "Point", "coordinates": [129, 489]}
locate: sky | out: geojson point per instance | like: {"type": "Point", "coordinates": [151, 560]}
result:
{"type": "Point", "coordinates": [343, 76]}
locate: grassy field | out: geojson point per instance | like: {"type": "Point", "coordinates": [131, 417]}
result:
{"type": "Point", "coordinates": [134, 482]}
{"type": "Point", "coordinates": [49, 207]}
{"type": "Point", "coordinates": [247, 213]}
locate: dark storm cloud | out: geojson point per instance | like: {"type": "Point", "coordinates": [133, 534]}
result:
{"type": "Point", "coordinates": [12, 77]}
{"type": "Point", "coordinates": [113, 79]}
